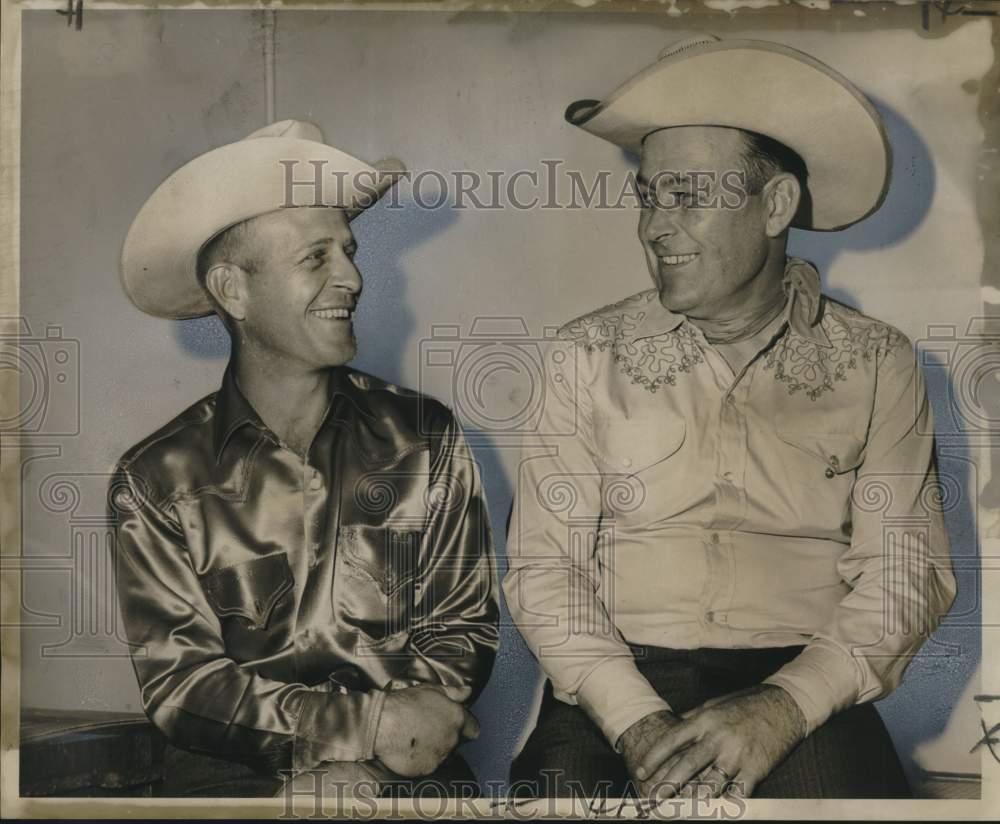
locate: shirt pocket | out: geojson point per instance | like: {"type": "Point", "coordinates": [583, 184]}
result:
{"type": "Point", "coordinates": [251, 600]}
{"type": "Point", "coordinates": [375, 578]}
{"type": "Point", "coordinates": [820, 457]}
{"type": "Point", "coordinates": [634, 444]}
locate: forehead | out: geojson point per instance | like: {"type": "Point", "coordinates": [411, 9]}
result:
{"type": "Point", "coordinates": [691, 148]}
{"type": "Point", "coordinates": [291, 228]}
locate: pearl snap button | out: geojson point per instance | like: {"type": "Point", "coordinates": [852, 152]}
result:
{"type": "Point", "coordinates": [626, 462]}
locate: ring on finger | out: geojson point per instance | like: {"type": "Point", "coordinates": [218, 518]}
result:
{"type": "Point", "coordinates": [720, 771]}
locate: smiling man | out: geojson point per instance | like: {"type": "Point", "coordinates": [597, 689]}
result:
{"type": "Point", "coordinates": [304, 556]}
{"type": "Point", "coordinates": [702, 568]}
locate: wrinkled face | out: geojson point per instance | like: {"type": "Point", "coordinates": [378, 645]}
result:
{"type": "Point", "coordinates": [703, 236]}
{"type": "Point", "coordinates": [304, 288]}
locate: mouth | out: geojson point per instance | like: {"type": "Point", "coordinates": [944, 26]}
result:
{"type": "Point", "coordinates": [676, 260]}
{"type": "Point", "coordinates": [333, 313]}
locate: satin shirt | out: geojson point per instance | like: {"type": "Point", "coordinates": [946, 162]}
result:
{"type": "Point", "coordinates": [666, 501]}
{"type": "Point", "coordinates": [270, 599]}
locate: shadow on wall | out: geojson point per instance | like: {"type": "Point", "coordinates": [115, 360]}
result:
{"type": "Point", "coordinates": [919, 711]}
{"type": "Point", "coordinates": [911, 191]}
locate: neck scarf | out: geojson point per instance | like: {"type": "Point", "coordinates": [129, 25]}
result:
{"type": "Point", "coordinates": [800, 293]}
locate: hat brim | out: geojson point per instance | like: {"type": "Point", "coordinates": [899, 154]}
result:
{"type": "Point", "coordinates": [766, 88]}
{"type": "Point", "coordinates": [221, 188]}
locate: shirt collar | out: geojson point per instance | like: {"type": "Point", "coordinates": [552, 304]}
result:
{"type": "Point", "coordinates": [232, 412]}
{"type": "Point", "coordinates": [803, 312]}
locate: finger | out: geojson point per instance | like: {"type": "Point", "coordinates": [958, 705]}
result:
{"type": "Point", "coordinates": [676, 739]}
{"type": "Point", "coordinates": [692, 761]}
{"type": "Point", "coordinates": [651, 786]}
{"type": "Point", "coordinates": [739, 787]}
{"type": "Point", "coordinates": [717, 778]}
{"type": "Point", "coordinates": [403, 683]}
{"type": "Point", "coordinates": [470, 727]}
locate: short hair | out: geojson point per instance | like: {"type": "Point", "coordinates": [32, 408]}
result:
{"type": "Point", "coordinates": [231, 245]}
{"type": "Point", "coordinates": [764, 157]}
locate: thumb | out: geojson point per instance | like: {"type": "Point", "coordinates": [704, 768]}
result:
{"type": "Point", "coordinates": [470, 727]}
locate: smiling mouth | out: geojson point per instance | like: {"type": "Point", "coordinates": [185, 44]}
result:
{"type": "Point", "coordinates": [333, 314]}
{"type": "Point", "coordinates": [676, 260]}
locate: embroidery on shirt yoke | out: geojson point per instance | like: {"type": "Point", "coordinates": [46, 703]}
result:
{"type": "Point", "coordinates": [650, 362]}
{"type": "Point", "coordinates": [807, 367]}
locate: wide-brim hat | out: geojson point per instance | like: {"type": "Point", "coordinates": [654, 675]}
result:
{"type": "Point", "coordinates": [766, 88]}
{"type": "Point", "coordinates": [226, 186]}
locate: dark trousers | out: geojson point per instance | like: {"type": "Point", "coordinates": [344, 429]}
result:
{"type": "Point", "coordinates": [851, 756]}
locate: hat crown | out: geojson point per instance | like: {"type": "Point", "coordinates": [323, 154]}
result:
{"type": "Point", "coordinates": [687, 43]}
{"type": "Point", "coordinates": [301, 129]}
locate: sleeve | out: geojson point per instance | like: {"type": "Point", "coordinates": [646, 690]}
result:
{"type": "Point", "coordinates": [553, 548]}
{"type": "Point", "coordinates": [198, 697]}
{"type": "Point", "coordinates": [898, 564]}
{"type": "Point", "coordinates": [454, 634]}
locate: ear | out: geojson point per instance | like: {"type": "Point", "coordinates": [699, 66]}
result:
{"type": "Point", "coordinates": [227, 284]}
{"type": "Point", "coordinates": [782, 194]}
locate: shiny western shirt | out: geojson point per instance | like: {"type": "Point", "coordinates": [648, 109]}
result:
{"type": "Point", "coordinates": [665, 500]}
{"type": "Point", "coordinates": [271, 598]}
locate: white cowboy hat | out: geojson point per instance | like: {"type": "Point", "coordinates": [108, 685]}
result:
{"type": "Point", "coordinates": [766, 88]}
{"type": "Point", "coordinates": [226, 186]}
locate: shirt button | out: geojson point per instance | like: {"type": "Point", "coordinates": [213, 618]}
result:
{"type": "Point", "coordinates": [715, 537]}
{"type": "Point", "coordinates": [730, 400]}
{"type": "Point", "coordinates": [316, 482]}
{"type": "Point", "coordinates": [626, 462]}
{"type": "Point", "coordinates": [829, 473]}
{"type": "Point", "coordinates": [728, 476]}
{"type": "Point", "coordinates": [710, 616]}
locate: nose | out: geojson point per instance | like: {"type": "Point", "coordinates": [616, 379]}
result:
{"type": "Point", "coordinates": [657, 223]}
{"type": "Point", "coordinates": [345, 275]}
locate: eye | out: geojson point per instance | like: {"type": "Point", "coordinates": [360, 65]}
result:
{"type": "Point", "coordinates": [351, 250]}
{"type": "Point", "coordinates": [317, 257]}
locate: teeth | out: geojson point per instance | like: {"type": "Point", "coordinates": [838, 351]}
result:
{"type": "Point", "coordinates": [674, 260]}
{"type": "Point", "coordinates": [330, 314]}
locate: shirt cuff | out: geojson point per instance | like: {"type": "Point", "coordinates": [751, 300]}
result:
{"type": "Point", "coordinates": [615, 695]}
{"type": "Point", "coordinates": [336, 726]}
{"type": "Point", "coordinates": [822, 680]}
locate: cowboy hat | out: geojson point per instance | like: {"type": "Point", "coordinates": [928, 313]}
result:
{"type": "Point", "coordinates": [766, 88]}
{"type": "Point", "coordinates": [273, 168]}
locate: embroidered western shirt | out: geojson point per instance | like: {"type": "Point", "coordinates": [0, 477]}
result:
{"type": "Point", "coordinates": [270, 599]}
{"type": "Point", "coordinates": [667, 501]}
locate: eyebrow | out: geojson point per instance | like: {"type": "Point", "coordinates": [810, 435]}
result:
{"type": "Point", "coordinates": [325, 241]}
{"type": "Point", "coordinates": [668, 177]}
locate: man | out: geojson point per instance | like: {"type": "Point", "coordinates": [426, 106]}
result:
{"type": "Point", "coordinates": [304, 560]}
{"type": "Point", "coordinates": [700, 567]}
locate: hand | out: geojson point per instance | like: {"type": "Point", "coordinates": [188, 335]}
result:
{"type": "Point", "coordinates": [738, 738]}
{"type": "Point", "coordinates": [419, 728]}
{"type": "Point", "coordinates": [637, 740]}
